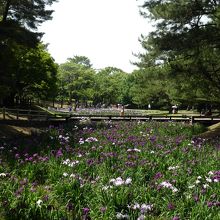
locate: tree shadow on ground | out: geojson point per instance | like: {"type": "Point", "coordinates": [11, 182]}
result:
{"type": "Point", "coordinates": [213, 131]}
{"type": "Point", "coordinates": [11, 131]}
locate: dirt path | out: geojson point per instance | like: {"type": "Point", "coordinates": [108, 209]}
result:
{"type": "Point", "coordinates": [213, 131]}
{"type": "Point", "coordinates": [8, 131]}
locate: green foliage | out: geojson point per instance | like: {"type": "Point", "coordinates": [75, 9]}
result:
{"type": "Point", "coordinates": [28, 13]}
{"type": "Point", "coordinates": [24, 66]}
{"type": "Point", "coordinates": [149, 86]}
{"type": "Point", "coordinates": [110, 87]}
{"type": "Point", "coordinates": [42, 66]}
{"type": "Point", "coordinates": [186, 41]}
{"type": "Point", "coordinates": [32, 73]}
{"type": "Point", "coordinates": [135, 169]}
{"type": "Point", "coordinates": [81, 60]}
{"type": "Point", "coordinates": [79, 82]}
{"type": "Point", "coordinates": [76, 79]}
{"type": "Point", "coordinates": [20, 18]}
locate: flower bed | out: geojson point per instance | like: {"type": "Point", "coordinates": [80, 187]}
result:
{"type": "Point", "coordinates": [123, 170]}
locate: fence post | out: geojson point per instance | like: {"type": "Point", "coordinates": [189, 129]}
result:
{"type": "Point", "coordinates": [3, 112]}
{"type": "Point", "coordinates": [29, 113]}
{"type": "Point", "coordinates": [192, 120]}
{"type": "Point", "coordinates": [67, 118]}
{"type": "Point", "coordinates": [17, 114]}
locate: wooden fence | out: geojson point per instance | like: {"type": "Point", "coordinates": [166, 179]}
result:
{"type": "Point", "coordinates": [24, 114]}
{"type": "Point", "coordinates": [35, 115]}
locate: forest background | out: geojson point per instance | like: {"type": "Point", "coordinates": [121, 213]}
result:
{"type": "Point", "coordinates": [179, 65]}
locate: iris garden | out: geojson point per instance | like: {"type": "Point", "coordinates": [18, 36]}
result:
{"type": "Point", "coordinates": [111, 170]}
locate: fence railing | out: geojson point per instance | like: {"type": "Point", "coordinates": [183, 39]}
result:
{"type": "Point", "coordinates": [37, 115]}
{"type": "Point", "coordinates": [23, 114]}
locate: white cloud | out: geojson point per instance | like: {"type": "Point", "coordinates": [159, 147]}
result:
{"type": "Point", "coordinates": [106, 31]}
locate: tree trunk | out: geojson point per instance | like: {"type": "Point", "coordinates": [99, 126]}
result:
{"type": "Point", "coordinates": [6, 9]}
{"type": "Point", "coordinates": [76, 104]}
{"type": "Point", "coordinates": [61, 104]}
{"type": "Point", "coordinates": [17, 100]}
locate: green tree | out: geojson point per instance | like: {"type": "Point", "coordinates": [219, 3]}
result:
{"type": "Point", "coordinates": [149, 86]}
{"type": "Point", "coordinates": [19, 20]}
{"type": "Point", "coordinates": [18, 32]}
{"type": "Point", "coordinates": [35, 62]}
{"type": "Point", "coordinates": [187, 39]}
{"type": "Point", "coordinates": [110, 86]}
{"type": "Point", "coordinates": [82, 60]}
{"type": "Point", "coordinates": [76, 80]}
{"type": "Point", "coordinates": [42, 66]}
{"type": "Point", "coordinates": [30, 13]}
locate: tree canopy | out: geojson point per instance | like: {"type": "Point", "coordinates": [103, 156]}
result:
{"type": "Point", "coordinates": [76, 80]}
{"type": "Point", "coordinates": [185, 41]}
{"type": "Point", "coordinates": [24, 62]}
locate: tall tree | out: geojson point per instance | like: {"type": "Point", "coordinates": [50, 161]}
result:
{"type": "Point", "coordinates": [76, 81]}
{"type": "Point", "coordinates": [19, 20]}
{"type": "Point", "coordinates": [149, 86]}
{"type": "Point", "coordinates": [187, 39]}
{"type": "Point", "coordinates": [41, 65]}
{"type": "Point", "coordinates": [33, 74]}
{"type": "Point", "coordinates": [110, 86]}
{"type": "Point", "coordinates": [29, 13]}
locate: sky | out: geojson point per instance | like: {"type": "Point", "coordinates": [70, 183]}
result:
{"type": "Point", "coordinates": [105, 31]}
